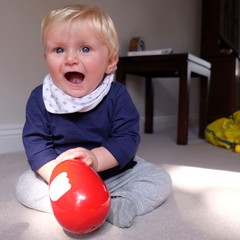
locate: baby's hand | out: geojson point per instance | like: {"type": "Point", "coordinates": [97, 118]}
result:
{"type": "Point", "coordinates": [79, 153]}
{"type": "Point", "coordinates": [59, 186]}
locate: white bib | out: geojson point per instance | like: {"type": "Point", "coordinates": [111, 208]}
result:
{"type": "Point", "coordinates": [56, 101]}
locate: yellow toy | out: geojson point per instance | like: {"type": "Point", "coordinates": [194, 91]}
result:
{"type": "Point", "coordinates": [225, 132]}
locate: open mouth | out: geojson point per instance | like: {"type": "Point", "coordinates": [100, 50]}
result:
{"type": "Point", "coordinates": [74, 77]}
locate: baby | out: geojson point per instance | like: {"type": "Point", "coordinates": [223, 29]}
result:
{"type": "Point", "coordinates": [80, 112]}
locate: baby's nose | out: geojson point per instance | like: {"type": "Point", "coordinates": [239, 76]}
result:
{"type": "Point", "coordinates": [72, 57]}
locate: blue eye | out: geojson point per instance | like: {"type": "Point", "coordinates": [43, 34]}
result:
{"type": "Point", "coordinates": [59, 50]}
{"type": "Point", "coordinates": [85, 49]}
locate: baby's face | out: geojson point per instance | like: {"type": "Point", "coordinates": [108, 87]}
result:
{"type": "Point", "coordinates": [77, 59]}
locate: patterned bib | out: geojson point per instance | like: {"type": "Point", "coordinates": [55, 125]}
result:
{"type": "Point", "coordinates": [58, 102]}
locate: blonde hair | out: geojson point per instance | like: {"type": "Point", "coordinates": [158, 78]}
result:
{"type": "Point", "coordinates": [96, 17]}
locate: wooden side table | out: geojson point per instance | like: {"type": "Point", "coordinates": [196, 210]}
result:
{"type": "Point", "coordinates": [183, 66]}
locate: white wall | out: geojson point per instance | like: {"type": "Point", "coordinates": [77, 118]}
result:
{"type": "Point", "coordinates": [162, 24]}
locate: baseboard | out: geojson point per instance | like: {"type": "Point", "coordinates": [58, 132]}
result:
{"type": "Point", "coordinates": [166, 122]}
{"type": "Point", "coordinates": [10, 138]}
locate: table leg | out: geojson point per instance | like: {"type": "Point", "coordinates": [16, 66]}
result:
{"type": "Point", "coordinates": [203, 108]}
{"type": "Point", "coordinates": [120, 76]}
{"type": "Point", "coordinates": [149, 105]}
{"type": "Point", "coordinates": [183, 107]}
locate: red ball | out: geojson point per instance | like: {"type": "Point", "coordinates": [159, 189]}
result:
{"type": "Point", "coordinates": [80, 199]}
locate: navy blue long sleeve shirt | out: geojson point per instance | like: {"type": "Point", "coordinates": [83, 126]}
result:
{"type": "Point", "coordinates": [113, 124]}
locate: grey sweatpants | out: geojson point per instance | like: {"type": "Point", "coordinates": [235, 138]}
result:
{"type": "Point", "coordinates": [134, 192]}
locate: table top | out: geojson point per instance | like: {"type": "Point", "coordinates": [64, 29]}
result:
{"type": "Point", "coordinates": [174, 57]}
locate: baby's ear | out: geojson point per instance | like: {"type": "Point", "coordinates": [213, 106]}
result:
{"type": "Point", "coordinates": [112, 64]}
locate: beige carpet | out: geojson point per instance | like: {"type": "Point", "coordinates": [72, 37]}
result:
{"type": "Point", "coordinates": [205, 203]}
